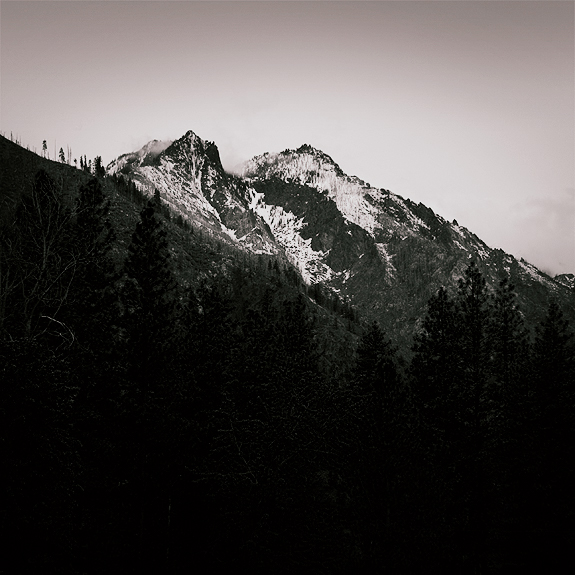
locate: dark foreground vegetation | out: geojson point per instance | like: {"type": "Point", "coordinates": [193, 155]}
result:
{"type": "Point", "coordinates": [155, 425]}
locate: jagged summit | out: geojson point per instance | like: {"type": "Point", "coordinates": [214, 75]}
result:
{"type": "Point", "coordinates": [321, 155]}
{"type": "Point", "coordinates": [300, 165]}
{"type": "Point", "coordinates": [191, 141]}
{"type": "Point", "coordinates": [190, 146]}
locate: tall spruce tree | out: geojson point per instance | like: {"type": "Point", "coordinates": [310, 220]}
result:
{"type": "Point", "coordinates": [376, 364]}
{"type": "Point", "coordinates": [553, 364]}
{"type": "Point", "coordinates": [149, 299]}
{"type": "Point", "coordinates": [472, 301]}
{"type": "Point", "coordinates": [509, 348]}
{"type": "Point", "coordinates": [436, 371]}
{"type": "Point", "coordinates": [149, 293]}
{"type": "Point", "coordinates": [454, 393]}
{"type": "Point", "coordinates": [436, 368]}
{"type": "Point", "coordinates": [382, 451]}
{"type": "Point", "coordinates": [476, 412]}
{"type": "Point", "coordinates": [99, 169]}
{"type": "Point", "coordinates": [506, 453]}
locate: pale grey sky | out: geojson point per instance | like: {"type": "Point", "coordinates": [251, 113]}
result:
{"type": "Point", "coordinates": [466, 106]}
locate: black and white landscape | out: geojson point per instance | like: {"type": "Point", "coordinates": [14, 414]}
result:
{"type": "Point", "coordinates": [216, 356]}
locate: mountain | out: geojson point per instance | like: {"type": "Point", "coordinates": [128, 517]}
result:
{"type": "Point", "coordinates": [385, 254]}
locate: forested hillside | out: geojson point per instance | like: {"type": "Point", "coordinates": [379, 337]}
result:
{"type": "Point", "coordinates": [173, 404]}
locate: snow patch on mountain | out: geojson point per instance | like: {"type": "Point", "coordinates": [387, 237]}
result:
{"type": "Point", "coordinates": [386, 258]}
{"type": "Point", "coordinates": [357, 201]}
{"type": "Point", "coordinates": [286, 228]}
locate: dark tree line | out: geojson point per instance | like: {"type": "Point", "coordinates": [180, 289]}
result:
{"type": "Point", "coordinates": [483, 391]}
{"type": "Point", "coordinates": [149, 427]}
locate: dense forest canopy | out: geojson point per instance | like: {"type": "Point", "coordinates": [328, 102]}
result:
{"type": "Point", "coordinates": [213, 413]}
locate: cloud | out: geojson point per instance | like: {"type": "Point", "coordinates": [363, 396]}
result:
{"type": "Point", "coordinates": [545, 228]}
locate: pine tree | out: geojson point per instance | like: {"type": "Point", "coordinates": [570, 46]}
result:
{"type": "Point", "coordinates": [99, 170]}
{"type": "Point", "coordinates": [509, 350]}
{"type": "Point", "coordinates": [383, 444]}
{"type": "Point", "coordinates": [508, 452]}
{"type": "Point", "coordinates": [553, 362]}
{"type": "Point", "coordinates": [376, 364]}
{"type": "Point", "coordinates": [436, 372]}
{"type": "Point", "coordinates": [436, 367]}
{"type": "Point", "coordinates": [157, 200]}
{"type": "Point", "coordinates": [149, 297]}
{"type": "Point", "coordinates": [472, 300]}
{"type": "Point", "coordinates": [150, 394]}
{"type": "Point", "coordinates": [150, 288]}
{"type": "Point", "coordinates": [476, 413]}
{"type": "Point", "coordinates": [456, 400]}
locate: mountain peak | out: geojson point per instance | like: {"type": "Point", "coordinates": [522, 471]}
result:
{"type": "Point", "coordinates": [303, 164]}
{"type": "Point", "coordinates": [191, 143]}
{"type": "Point", "coordinates": [190, 136]}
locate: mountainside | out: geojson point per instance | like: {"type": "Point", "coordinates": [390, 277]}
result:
{"type": "Point", "coordinates": [18, 167]}
{"type": "Point", "coordinates": [385, 254]}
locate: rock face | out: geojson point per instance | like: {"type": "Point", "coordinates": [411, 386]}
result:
{"type": "Point", "coordinates": [568, 280]}
{"type": "Point", "coordinates": [386, 254]}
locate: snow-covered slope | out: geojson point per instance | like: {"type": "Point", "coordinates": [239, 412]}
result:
{"type": "Point", "coordinates": [308, 166]}
{"type": "Point", "coordinates": [381, 213]}
{"type": "Point", "coordinates": [190, 178]}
